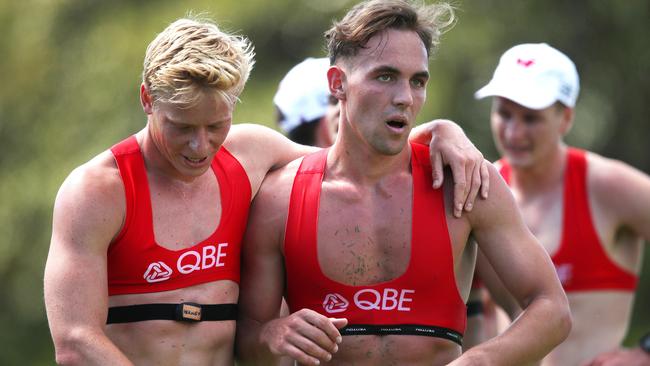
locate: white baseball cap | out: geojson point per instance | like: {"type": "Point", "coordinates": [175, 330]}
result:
{"type": "Point", "coordinates": [534, 75]}
{"type": "Point", "coordinates": [303, 93]}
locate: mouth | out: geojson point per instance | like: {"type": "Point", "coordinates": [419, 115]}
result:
{"type": "Point", "coordinates": [397, 124]}
{"type": "Point", "coordinates": [195, 161]}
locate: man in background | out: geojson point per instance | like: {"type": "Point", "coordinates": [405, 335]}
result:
{"type": "Point", "coordinates": [306, 111]}
{"type": "Point", "coordinates": [591, 213]}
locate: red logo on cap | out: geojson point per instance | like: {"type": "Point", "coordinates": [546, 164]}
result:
{"type": "Point", "coordinates": [525, 63]}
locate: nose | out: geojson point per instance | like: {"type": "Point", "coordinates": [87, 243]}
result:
{"type": "Point", "coordinates": [199, 142]}
{"type": "Point", "coordinates": [403, 96]}
{"type": "Point", "coordinates": [514, 129]}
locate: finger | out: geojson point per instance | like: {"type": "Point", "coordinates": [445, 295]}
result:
{"type": "Point", "coordinates": [485, 179]}
{"type": "Point", "coordinates": [458, 170]}
{"type": "Point", "coordinates": [474, 187]}
{"type": "Point", "coordinates": [339, 322]}
{"type": "Point", "coordinates": [313, 349]}
{"type": "Point", "coordinates": [300, 356]}
{"type": "Point", "coordinates": [323, 331]}
{"type": "Point", "coordinates": [437, 169]}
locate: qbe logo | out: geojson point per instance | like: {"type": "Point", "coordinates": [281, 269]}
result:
{"type": "Point", "coordinates": [157, 272]}
{"type": "Point", "coordinates": [335, 303]}
{"type": "Point", "coordinates": [210, 256]}
{"type": "Point", "coordinates": [388, 299]}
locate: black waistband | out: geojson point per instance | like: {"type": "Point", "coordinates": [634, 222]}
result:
{"type": "Point", "coordinates": [403, 329]}
{"type": "Point", "coordinates": [187, 311]}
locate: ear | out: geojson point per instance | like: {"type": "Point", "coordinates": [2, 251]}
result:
{"type": "Point", "coordinates": [146, 100]}
{"type": "Point", "coordinates": [567, 120]}
{"type": "Point", "coordinates": [336, 80]}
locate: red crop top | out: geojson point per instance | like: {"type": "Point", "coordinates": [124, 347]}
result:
{"type": "Point", "coordinates": [137, 264]}
{"type": "Point", "coordinates": [581, 262]}
{"type": "Point", "coordinates": [423, 301]}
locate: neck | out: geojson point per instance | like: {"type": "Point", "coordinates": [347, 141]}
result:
{"type": "Point", "coordinates": [359, 162]}
{"type": "Point", "coordinates": [543, 175]}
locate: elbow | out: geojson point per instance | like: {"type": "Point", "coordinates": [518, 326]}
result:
{"type": "Point", "coordinates": [561, 314]}
{"type": "Point", "coordinates": [565, 322]}
{"type": "Point", "coordinates": [68, 347]}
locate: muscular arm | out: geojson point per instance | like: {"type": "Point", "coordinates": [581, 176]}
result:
{"type": "Point", "coordinates": [86, 217]}
{"type": "Point", "coordinates": [261, 336]}
{"type": "Point", "coordinates": [527, 273]}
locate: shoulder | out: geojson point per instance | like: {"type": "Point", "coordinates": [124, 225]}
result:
{"type": "Point", "coordinates": [94, 179]}
{"type": "Point", "coordinates": [500, 203]}
{"type": "Point", "coordinates": [607, 178]}
{"type": "Point", "coordinates": [91, 199]}
{"type": "Point", "coordinates": [617, 188]}
{"type": "Point", "coordinates": [248, 140]}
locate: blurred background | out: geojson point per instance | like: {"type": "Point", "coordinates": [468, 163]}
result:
{"type": "Point", "coordinates": [70, 73]}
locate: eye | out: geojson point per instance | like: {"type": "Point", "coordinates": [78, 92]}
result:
{"type": "Point", "coordinates": [183, 128]}
{"type": "Point", "coordinates": [505, 115]}
{"type": "Point", "coordinates": [419, 83]}
{"type": "Point", "coordinates": [384, 77]}
{"type": "Point", "coordinates": [531, 119]}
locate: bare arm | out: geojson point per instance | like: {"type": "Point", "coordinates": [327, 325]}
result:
{"type": "Point", "coordinates": [262, 337]}
{"type": "Point", "coordinates": [86, 218]}
{"type": "Point", "coordinates": [448, 145]}
{"type": "Point", "coordinates": [622, 193]}
{"type": "Point", "coordinates": [260, 150]}
{"type": "Point", "coordinates": [528, 274]}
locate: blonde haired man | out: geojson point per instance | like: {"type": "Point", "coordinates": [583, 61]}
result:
{"type": "Point", "coordinates": [146, 235]}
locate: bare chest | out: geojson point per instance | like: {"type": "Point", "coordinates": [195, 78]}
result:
{"type": "Point", "coordinates": [364, 237]}
{"type": "Point", "coordinates": [182, 218]}
{"type": "Point", "coordinates": [544, 216]}
{"type": "Point", "coordinates": [395, 350]}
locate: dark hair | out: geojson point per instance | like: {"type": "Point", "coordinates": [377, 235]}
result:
{"type": "Point", "coordinates": [368, 18]}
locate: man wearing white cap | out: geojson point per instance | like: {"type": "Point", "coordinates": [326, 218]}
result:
{"type": "Point", "coordinates": [306, 111]}
{"type": "Point", "coordinates": [589, 212]}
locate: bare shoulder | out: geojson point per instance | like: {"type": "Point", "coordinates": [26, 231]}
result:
{"type": "Point", "coordinates": [619, 191]}
{"type": "Point", "coordinates": [90, 202]}
{"type": "Point", "coordinates": [500, 202]}
{"type": "Point", "coordinates": [242, 135]}
{"type": "Point", "coordinates": [612, 180]}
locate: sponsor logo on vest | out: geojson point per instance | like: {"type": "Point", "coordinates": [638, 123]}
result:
{"type": "Point", "coordinates": [390, 299]}
{"type": "Point", "coordinates": [210, 256]}
{"type": "Point", "coordinates": [335, 303]}
{"type": "Point", "coordinates": [370, 299]}
{"type": "Point", "coordinates": [564, 273]}
{"type": "Point", "coordinates": [157, 271]}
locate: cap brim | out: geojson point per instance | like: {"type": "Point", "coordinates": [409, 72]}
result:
{"type": "Point", "coordinates": [526, 95]}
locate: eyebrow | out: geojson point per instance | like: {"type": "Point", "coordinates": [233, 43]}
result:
{"type": "Point", "coordinates": [392, 70]}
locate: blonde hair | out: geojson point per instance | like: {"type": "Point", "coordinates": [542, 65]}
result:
{"type": "Point", "coordinates": [368, 18]}
{"type": "Point", "coordinates": [191, 57]}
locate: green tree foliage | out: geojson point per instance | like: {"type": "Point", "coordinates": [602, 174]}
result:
{"type": "Point", "coordinates": [71, 72]}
